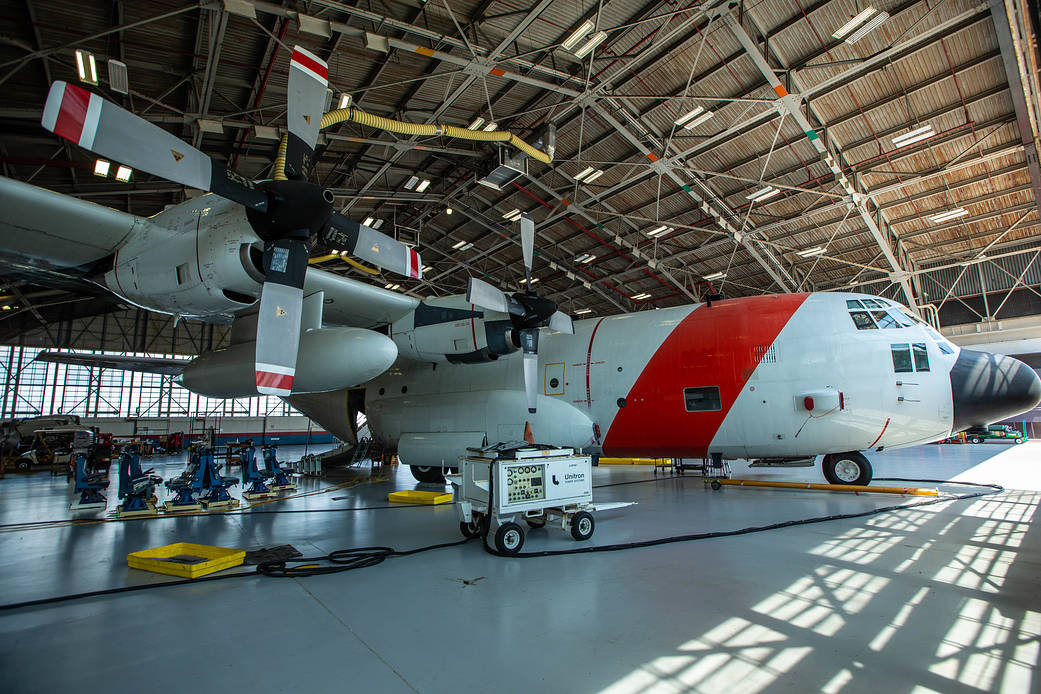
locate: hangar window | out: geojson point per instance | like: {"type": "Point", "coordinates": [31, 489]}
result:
{"type": "Point", "coordinates": [902, 358]}
{"type": "Point", "coordinates": [921, 357]}
{"type": "Point", "coordinates": [862, 320]}
{"type": "Point", "coordinates": [702, 399]}
{"type": "Point", "coordinates": [884, 320]}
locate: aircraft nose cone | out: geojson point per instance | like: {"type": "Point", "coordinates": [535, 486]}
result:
{"type": "Point", "coordinates": [987, 388]}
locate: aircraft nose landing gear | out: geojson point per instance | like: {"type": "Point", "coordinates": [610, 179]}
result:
{"type": "Point", "coordinates": [847, 468]}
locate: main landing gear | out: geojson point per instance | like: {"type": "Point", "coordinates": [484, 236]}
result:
{"type": "Point", "coordinates": [847, 468]}
{"type": "Point", "coordinates": [430, 473]}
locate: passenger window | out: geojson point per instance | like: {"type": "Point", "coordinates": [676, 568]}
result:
{"type": "Point", "coordinates": [862, 320]}
{"type": "Point", "coordinates": [921, 357]}
{"type": "Point", "coordinates": [702, 399]}
{"type": "Point", "coordinates": [902, 358]}
{"type": "Point", "coordinates": [900, 318]}
{"type": "Point", "coordinates": [945, 348]}
{"type": "Point", "coordinates": [853, 303]}
{"type": "Point", "coordinates": [884, 320]}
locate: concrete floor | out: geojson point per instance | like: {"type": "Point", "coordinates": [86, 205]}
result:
{"type": "Point", "coordinates": [943, 598]}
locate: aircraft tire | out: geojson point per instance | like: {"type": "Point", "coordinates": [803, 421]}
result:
{"type": "Point", "coordinates": [427, 473]}
{"type": "Point", "coordinates": [839, 468]}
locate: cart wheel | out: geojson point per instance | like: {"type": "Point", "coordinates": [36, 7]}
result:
{"type": "Point", "coordinates": [975, 439]}
{"type": "Point", "coordinates": [536, 522]}
{"type": "Point", "coordinates": [716, 486]}
{"type": "Point", "coordinates": [471, 529]}
{"type": "Point", "coordinates": [582, 525]}
{"type": "Point", "coordinates": [509, 538]}
{"type": "Point", "coordinates": [23, 464]}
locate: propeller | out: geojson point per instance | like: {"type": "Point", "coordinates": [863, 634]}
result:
{"type": "Point", "coordinates": [286, 214]}
{"type": "Point", "coordinates": [528, 312]}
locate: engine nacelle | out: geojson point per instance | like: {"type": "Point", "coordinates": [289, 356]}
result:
{"type": "Point", "coordinates": [329, 359]}
{"type": "Point", "coordinates": [449, 329]}
{"type": "Point", "coordinates": [194, 259]}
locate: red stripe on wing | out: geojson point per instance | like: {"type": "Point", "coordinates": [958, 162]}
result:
{"type": "Point", "coordinates": [72, 113]}
{"type": "Point", "coordinates": [319, 68]}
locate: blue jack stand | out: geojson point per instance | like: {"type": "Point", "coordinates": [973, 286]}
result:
{"type": "Point", "coordinates": [89, 488]}
{"type": "Point", "coordinates": [186, 487]}
{"type": "Point", "coordinates": [217, 496]}
{"type": "Point", "coordinates": [255, 478]}
{"type": "Point", "coordinates": [136, 487]}
{"type": "Point", "coordinates": [280, 478]}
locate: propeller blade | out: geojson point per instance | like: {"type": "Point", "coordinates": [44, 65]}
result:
{"type": "Point", "coordinates": [480, 293]}
{"type": "Point", "coordinates": [308, 80]}
{"type": "Point", "coordinates": [531, 377]}
{"type": "Point", "coordinates": [562, 323]}
{"type": "Point", "coordinates": [527, 244]}
{"type": "Point", "coordinates": [373, 246]}
{"type": "Point", "coordinates": [113, 132]}
{"type": "Point", "coordinates": [281, 311]}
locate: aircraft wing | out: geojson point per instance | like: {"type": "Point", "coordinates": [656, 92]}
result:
{"type": "Point", "coordinates": [354, 303]}
{"type": "Point", "coordinates": [39, 225]}
{"type": "Point", "coordinates": [156, 365]}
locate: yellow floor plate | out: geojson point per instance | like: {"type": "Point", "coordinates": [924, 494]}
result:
{"type": "Point", "coordinates": [186, 559]}
{"type": "Point", "coordinates": [412, 496]}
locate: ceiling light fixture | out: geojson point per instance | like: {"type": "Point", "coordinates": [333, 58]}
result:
{"type": "Point", "coordinates": [345, 100]}
{"type": "Point", "coordinates": [86, 67]}
{"type": "Point", "coordinates": [117, 76]}
{"type": "Point", "coordinates": [916, 135]}
{"type": "Point", "coordinates": [123, 174]}
{"type": "Point", "coordinates": [513, 215]}
{"type": "Point", "coordinates": [411, 182]}
{"type": "Point", "coordinates": [584, 172]}
{"type": "Point", "coordinates": [490, 127]}
{"type": "Point", "coordinates": [660, 230]}
{"type": "Point", "coordinates": [809, 252]}
{"type": "Point", "coordinates": [948, 215]}
{"type": "Point", "coordinates": [101, 168]}
{"type": "Point", "coordinates": [377, 224]}
{"type": "Point", "coordinates": [854, 23]}
{"type": "Point", "coordinates": [763, 194]}
{"type": "Point", "coordinates": [477, 123]}
{"type": "Point", "coordinates": [577, 35]}
{"type": "Point", "coordinates": [694, 118]}
{"type": "Point", "coordinates": [458, 245]}
{"type": "Point", "coordinates": [641, 296]}
{"type": "Point", "coordinates": [594, 41]}
{"type": "Point", "coordinates": [585, 258]}
{"type": "Point", "coordinates": [266, 132]}
{"type": "Point", "coordinates": [863, 31]}
{"type": "Point", "coordinates": [423, 185]}
{"type": "Point", "coordinates": [715, 276]}
{"type": "Point", "coordinates": [593, 176]}
{"type": "Point", "coordinates": [368, 221]}
{"type": "Point", "coordinates": [583, 311]}
{"type": "Point", "coordinates": [448, 210]}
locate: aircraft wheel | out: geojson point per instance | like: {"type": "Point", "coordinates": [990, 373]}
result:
{"type": "Point", "coordinates": [427, 473]}
{"type": "Point", "coordinates": [582, 525]}
{"type": "Point", "coordinates": [509, 538]}
{"type": "Point", "coordinates": [847, 468]}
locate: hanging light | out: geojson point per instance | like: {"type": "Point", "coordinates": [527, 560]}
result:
{"type": "Point", "coordinates": [101, 168]}
{"type": "Point", "coordinates": [763, 194]}
{"type": "Point", "coordinates": [577, 35]}
{"type": "Point", "coordinates": [641, 296]}
{"type": "Point", "coordinates": [477, 123]}
{"type": "Point", "coordinates": [86, 67]}
{"type": "Point", "coordinates": [368, 221]}
{"type": "Point", "coordinates": [123, 174]}
{"type": "Point", "coordinates": [660, 230]}
{"type": "Point", "coordinates": [810, 252]}
{"type": "Point", "coordinates": [345, 100]}
{"type": "Point", "coordinates": [424, 184]}
{"type": "Point", "coordinates": [715, 276]}
{"type": "Point", "coordinates": [948, 215]}
{"type": "Point", "coordinates": [410, 184]}
{"type": "Point", "coordinates": [916, 135]}
{"type": "Point", "coordinates": [490, 127]}
{"type": "Point", "coordinates": [594, 41]}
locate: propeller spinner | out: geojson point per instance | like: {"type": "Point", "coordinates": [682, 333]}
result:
{"type": "Point", "coordinates": [286, 215]}
{"type": "Point", "coordinates": [528, 311]}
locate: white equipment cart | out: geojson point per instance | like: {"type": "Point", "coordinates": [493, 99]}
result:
{"type": "Point", "coordinates": [536, 484]}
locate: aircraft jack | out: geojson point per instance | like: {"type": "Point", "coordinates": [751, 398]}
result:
{"type": "Point", "coordinates": [186, 487]}
{"type": "Point", "coordinates": [136, 487]}
{"type": "Point", "coordinates": [280, 481]}
{"type": "Point", "coordinates": [217, 496]}
{"type": "Point", "coordinates": [89, 488]}
{"type": "Point", "coordinates": [257, 489]}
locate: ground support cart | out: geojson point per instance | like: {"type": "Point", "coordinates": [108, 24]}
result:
{"type": "Point", "coordinates": [536, 485]}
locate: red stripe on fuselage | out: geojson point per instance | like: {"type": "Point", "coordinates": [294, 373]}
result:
{"type": "Point", "coordinates": [72, 113]}
{"type": "Point", "coordinates": [712, 346]}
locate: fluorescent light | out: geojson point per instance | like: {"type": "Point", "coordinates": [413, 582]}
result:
{"type": "Point", "coordinates": [490, 127]}
{"type": "Point", "coordinates": [916, 135]}
{"type": "Point", "coordinates": [266, 132]}
{"type": "Point", "coordinates": [392, 286]}
{"type": "Point", "coordinates": [377, 224]}
{"type": "Point", "coordinates": [448, 210]}
{"type": "Point", "coordinates": [584, 172]}
{"type": "Point", "coordinates": [808, 252]}
{"type": "Point", "coordinates": [699, 120]}
{"type": "Point", "coordinates": [426, 269]}
{"type": "Point", "coordinates": [660, 230]}
{"type": "Point", "coordinates": [368, 221]}
{"type": "Point", "coordinates": [513, 215]}
{"type": "Point", "coordinates": [411, 182]}
{"type": "Point", "coordinates": [593, 176]}
{"type": "Point", "coordinates": [585, 258]}
{"type": "Point", "coordinates": [123, 174]}
{"type": "Point", "coordinates": [101, 168]}
{"type": "Point", "coordinates": [594, 41]}
{"type": "Point", "coordinates": [211, 126]}
{"type": "Point", "coordinates": [577, 35]}
{"type": "Point", "coordinates": [763, 194]}
{"type": "Point", "coordinates": [86, 67]}
{"type": "Point", "coordinates": [863, 31]}
{"type": "Point", "coordinates": [688, 116]}
{"type": "Point", "coordinates": [458, 245]}
{"type": "Point", "coordinates": [949, 215]}
{"type": "Point", "coordinates": [534, 280]}
{"type": "Point", "coordinates": [477, 123]}
{"type": "Point", "coordinates": [423, 185]}
{"type": "Point", "coordinates": [345, 100]}
{"type": "Point", "coordinates": [715, 276]}
{"type": "Point", "coordinates": [642, 295]}
{"type": "Point", "coordinates": [583, 311]}
{"type": "Point", "coordinates": [854, 23]}
{"type": "Point", "coordinates": [117, 76]}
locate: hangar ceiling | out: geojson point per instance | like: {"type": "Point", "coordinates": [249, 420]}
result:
{"type": "Point", "coordinates": [803, 119]}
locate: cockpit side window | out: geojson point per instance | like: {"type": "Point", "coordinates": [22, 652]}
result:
{"type": "Point", "coordinates": [872, 303]}
{"type": "Point", "coordinates": [862, 320]}
{"type": "Point", "coordinates": [921, 357]}
{"type": "Point", "coordinates": [902, 358]}
{"type": "Point", "coordinates": [900, 318]}
{"type": "Point", "coordinates": [853, 303]}
{"type": "Point", "coordinates": [884, 320]}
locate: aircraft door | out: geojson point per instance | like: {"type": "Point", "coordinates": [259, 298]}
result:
{"type": "Point", "coordinates": [553, 382]}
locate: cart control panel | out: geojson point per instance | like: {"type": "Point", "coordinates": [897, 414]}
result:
{"type": "Point", "coordinates": [526, 483]}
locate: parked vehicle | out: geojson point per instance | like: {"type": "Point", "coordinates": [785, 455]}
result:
{"type": "Point", "coordinates": [55, 447]}
{"type": "Point", "coordinates": [1005, 432]}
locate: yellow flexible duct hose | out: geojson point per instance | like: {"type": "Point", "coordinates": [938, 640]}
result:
{"type": "Point", "coordinates": [401, 127]}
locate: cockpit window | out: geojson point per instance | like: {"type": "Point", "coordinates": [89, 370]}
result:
{"type": "Point", "coordinates": [945, 348]}
{"type": "Point", "coordinates": [884, 320]}
{"type": "Point", "coordinates": [862, 320]}
{"type": "Point", "coordinates": [900, 318]}
{"type": "Point", "coordinates": [872, 303]}
{"type": "Point", "coordinates": [853, 303]}
{"type": "Point", "coordinates": [902, 358]}
{"type": "Point", "coordinates": [921, 357]}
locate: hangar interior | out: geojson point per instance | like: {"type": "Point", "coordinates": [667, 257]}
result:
{"type": "Point", "coordinates": [699, 148]}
